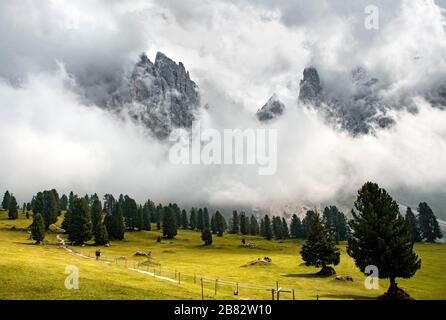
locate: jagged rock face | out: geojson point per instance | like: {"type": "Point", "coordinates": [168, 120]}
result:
{"type": "Point", "coordinates": [362, 111]}
{"type": "Point", "coordinates": [271, 110]}
{"type": "Point", "coordinates": [310, 87]}
{"type": "Point", "coordinates": [162, 95]}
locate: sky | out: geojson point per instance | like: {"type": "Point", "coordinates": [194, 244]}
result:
{"type": "Point", "coordinates": [60, 59]}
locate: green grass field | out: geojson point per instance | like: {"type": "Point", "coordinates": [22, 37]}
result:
{"type": "Point", "coordinates": [29, 271]}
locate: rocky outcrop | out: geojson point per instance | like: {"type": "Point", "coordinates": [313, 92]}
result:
{"type": "Point", "coordinates": [359, 110]}
{"type": "Point", "coordinates": [162, 95]}
{"type": "Point", "coordinates": [271, 110]}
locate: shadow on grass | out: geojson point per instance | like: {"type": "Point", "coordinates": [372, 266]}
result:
{"type": "Point", "coordinates": [305, 275]}
{"type": "Point", "coordinates": [347, 296]}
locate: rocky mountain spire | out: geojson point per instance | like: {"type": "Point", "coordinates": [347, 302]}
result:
{"type": "Point", "coordinates": [271, 110]}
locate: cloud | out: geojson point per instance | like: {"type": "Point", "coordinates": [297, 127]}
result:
{"type": "Point", "coordinates": [61, 60]}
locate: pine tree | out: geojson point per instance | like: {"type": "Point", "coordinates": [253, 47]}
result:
{"type": "Point", "coordinates": [320, 250]}
{"type": "Point", "coordinates": [184, 220]}
{"type": "Point", "coordinates": [336, 223]}
{"type": "Point", "coordinates": [307, 222]}
{"type": "Point", "coordinates": [130, 212]}
{"type": "Point", "coordinates": [80, 222]}
{"type": "Point", "coordinates": [13, 213]}
{"type": "Point", "coordinates": [267, 229]}
{"type": "Point", "coordinates": [414, 226]}
{"type": "Point", "coordinates": [100, 232]}
{"type": "Point", "coordinates": [96, 213]}
{"type": "Point", "coordinates": [146, 216]}
{"type": "Point", "coordinates": [253, 226]}
{"type": "Point", "coordinates": [38, 228]}
{"type": "Point", "coordinates": [206, 223]}
{"type": "Point", "coordinates": [429, 227]}
{"type": "Point", "coordinates": [235, 223]}
{"type": "Point", "coordinates": [115, 223]}
{"type": "Point", "coordinates": [139, 218]}
{"type": "Point", "coordinates": [277, 228]}
{"type": "Point", "coordinates": [109, 202]}
{"type": "Point", "coordinates": [381, 237]}
{"type": "Point", "coordinates": [193, 222]}
{"type": "Point", "coordinates": [285, 230]}
{"type": "Point", "coordinates": [220, 224]}
{"type": "Point", "coordinates": [169, 223]}
{"type": "Point", "coordinates": [206, 236]}
{"type": "Point", "coordinates": [213, 224]}
{"type": "Point", "coordinates": [200, 220]}
{"type": "Point", "coordinates": [70, 200]}
{"type": "Point", "coordinates": [6, 200]}
{"type": "Point", "coordinates": [46, 204]}
{"type": "Point", "coordinates": [244, 224]}
{"type": "Point", "coordinates": [63, 202]}
{"type": "Point", "coordinates": [296, 227]}
{"type": "Point", "coordinates": [159, 216]}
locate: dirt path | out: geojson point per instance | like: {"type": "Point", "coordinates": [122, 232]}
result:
{"type": "Point", "coordinates": [64, 245]}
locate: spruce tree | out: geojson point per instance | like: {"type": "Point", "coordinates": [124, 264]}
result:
{"type": "Point", "coordinates": [38, 228]}
{"type": "Point", "coordinates": [96, 213]}
{"type": "Point", "coordinates": [307, 222]}
{"type": "Point", "coordinates": [6, 200]}
{"type": "Point", "coordinates": [267, 229]}
{"type": "Point", "coordinates": [100, 232]}
{"type": "Point", "coordinates": [336, 222]}
{"type": "Point", "coordinates": [184, 220]}
{"type": "Point", "coordinates": [193, 222]}
{"type": "Point", "coordinates": [235, 223]}
{"type": "Point", "coordinates": [80, 222]}
{"type": "Point", "coordinates": [296, 227]}
{"type": "Point", "coordinates": [70, 200]}
{"type": "Point", "coordinates": [13, 213]}
{"type": "Point", "coordinates": [206, 236]}
{"type": "Point", "coordinates": [169, 223]}
{"type": "Point", "coordinates": [277, 228]}
{"type": "Point", "coordinates": [63, 202]}
{"type": "Point", "coordinates": [381, 237]}
{"type": "Point", "coordinates": [414, 225]}
{"type": "Point", "coordinates": [115, 223]}
{"type": "Point", "coordinates": [429, 227]}
{"type": "Point", "coordinates": [285, 230]}
{"type": "Point", "coordinates": [244, 224]}
{"type": "Point", "coordinates": [220, 224]}
{"type": "Point", "coordinates": [320, 250]}
{"type": "Point", "coordinates": [159, 216]}
{"type": "Point", "coordinates": [253, 226]}
{"type": "Point", "coordinates": [206, 222]}
{"type": "Point", "coordinates": [146, 216]}
{"type": "Point", "coordinates": [200, 220]}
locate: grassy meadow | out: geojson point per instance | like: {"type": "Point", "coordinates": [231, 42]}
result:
{"type": "Point", "coordinates": [29, 271]}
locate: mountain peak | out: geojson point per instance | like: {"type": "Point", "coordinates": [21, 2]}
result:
{"type": "Point", "coordinates": [271, 110]}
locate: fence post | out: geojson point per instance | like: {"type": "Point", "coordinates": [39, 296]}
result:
{"type": "Point", "coordinates": [272, 294]}
{"type": "Point", "coordinates": [293, 295]}
{"type": "Point", "coordinates": [202, 290]}
{"type": "Point", "coordinates": [216, 284]}
{"type": "Point", "coordinates": [179, 277]}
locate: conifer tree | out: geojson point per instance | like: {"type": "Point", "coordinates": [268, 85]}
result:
{"type": "Point", "coordinates": [336, 223]}
{"type": "Point", "coordinates": [285, 230]}
{"type": "Point", "coordinates": [200, 220]}
{"type": "Point", "coordinates": [193, 223]}
{"type": "Point", "coordinates": [6, 200]}
{"type": "Point", "coordinates": [296, 227]}
{"type": "Point", "coordinates": [38, 228]}
{"type": "Point", "coordinates": [206, 222]}
{"type": "Point", "coordinates": [63, 202]}
{"type": "Point", "coordinates": [146, 216]}
{"type": "Point", "coordinates": [253, 226]}
{"type": "Point", "coordinates": [320, 250]}
{"type": "Point", "coordinates": [220, 224]}
{"type": "Point", "coordinates": [169, 223]}
{"type": "Point", "coordinates": [184, 220]}
{"type": "Point", "coordinates": [244, 224]}
{"type": "Point", "coordinates": [414, 225]}
{"type": "Point", "coordinates": [100, 232]}
{"type": "Point", "coordinates": [307, 222]}
{"type": "Point", "coordinates": [235, 223]}
{"type": "Point", "coordinates": [96, 213]}
{"type": "Point", "coordinates": [267, 229]}
{"type": "Point", "coordinates": [115, 223]}
{"type": "Point", "coordinates": [381, 237]}
{"type": "Point", "coordinates": [429, 227]}
{"type": "Point", "coordinates": [80, 222]}
{"type": "Point", "coordinates": [206, 236]}
{"type": "Point", "coordinates": [13, 213]}
{"type": "Point", "coordinates": [70, 200]}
